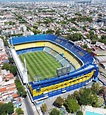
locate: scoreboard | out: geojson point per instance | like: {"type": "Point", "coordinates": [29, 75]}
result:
{"type": "Point", "coordinates": [64, 70]}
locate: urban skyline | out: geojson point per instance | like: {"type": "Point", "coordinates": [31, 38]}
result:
{"type": "Point", "coordinates": [94, 1]}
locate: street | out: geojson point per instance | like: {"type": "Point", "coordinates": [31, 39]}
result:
{"type": "Point", "coordinates": [28, 106]}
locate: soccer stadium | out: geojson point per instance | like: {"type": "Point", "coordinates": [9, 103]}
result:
{"type": "Point", "coordinates": [51, 65]}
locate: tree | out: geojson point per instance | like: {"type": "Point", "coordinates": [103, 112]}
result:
{"type": "Point", "coordinates": [85, 46]}
{"type": "Point", "coordinates": [58, 102]}
{"type": "Point", "coordinates": [103, 39]}
{"type": "Point", "coordinates": [88, 50]}
{"type": "Point", "coordinates": [3, 108]}
{"type": "Point", "coordinates": [92, 36]}
{"type": "Point", "coordinates": [79, 113]}
{"type": "Point", "coordinates": [94, 41]}
{"type": "Point", "coordinates": [13, 69]}
{"type": "Point", "coordinates": [88, 97]}
{"type": "Point", "coordinates": [11, 61]}
{"type": "Point", "coordinates": [6, 108]}
{"type": "Point", "coordinates": [54, 112]}
{"type": "Point", "coordinates": [20, 88]}
{"type": "Point", "coordinates": [44, 108]}
{"type": "Point", "coordinates": [10, 108]}
{"type": "Point", "coordinates": [3, 113]}
{"type": "Point", "coordinates": [74, 29]}
{"type": "Point", "coordinates": [95, 87]}
{"type": "Point", "coordinates": [50, 31]}
{"type": "Point", "coordinates": [35, 27]}
{"type": "Point", "coordinates": [58, 32]}
{"type": "Point", "coordinates": [6, 66]}
{"type": "Point", "coordinates": [19, 111]}
{"type": "Point", "coordinates": [75, 37]}
{"type": "Point", "coordinates": [76, 94]}
{"type": "Point", "coordinates": [101, 91]}
{"type": "Point", "coordinates": [36, 31]}
{"type": "Point", "coordinates": [71, 105]}
{"type": "Point", "coordinates": [81, 91]}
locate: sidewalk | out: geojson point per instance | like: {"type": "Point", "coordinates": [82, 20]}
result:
{"type": "Point", "coordinates": [23, 107]}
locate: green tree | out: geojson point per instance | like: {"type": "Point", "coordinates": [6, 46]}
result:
{"type": "Point", "coordinates": [11, 61]}
{"type": "Point", "coordinates": [35, 27]}
{"type": "Point", "coordinates": [19, 111]}
{"type": "Point", "coordinates": [103, 39]}
{"type": "Point", "coordinates": [3, 113]}
{"type": "Point", "coordinates": [88, 50]}
{"type": "Point", "coordinates": [10, 108]}
{"type": "Point", "coordinates": [92, 36]}
{"type": "Point", "coordinates": [95, 87]}
{"type": "Point", "coordinates": [71, 105]}
{"type": "Point", "coordinates": [20, 88]}
{"type": "Point", "coordinates": [13, 69]}
{"type": "Point", "coordinates": [58, 102]}
{"type": "Point", "coordinates": [88, 97]}
{"type": "Point", "coordinates": [35, 31]}
{"type": "Point", "coordinates": [101, 91]}
{"type": "Point", "coordinates": [54, 112]}
{"type": "Point", "coordinates": [84, 28]}
{"type": "Point", "coordinates": [44, 108]}
{"type": "Point", "coordinates": [85, 46]}
{"type": "Point", "coordinates": [58, 32]}
{"type": "Point", "coordinates": [94, 41]}
{"type": "Point", "coordinates": [74, 37]}
{"type": "Point", "coordinates": [76, 94]}
{"type": "Point", "coordinates": [105, 107]}
{"type": "Point", "coordinates": [74, 29]}
{"type": "Point", "coordinates": [50, 31]}
{"type": "Point", "coordinates": [3, 108]}
{"type": "Point", "coordinates": [79, 113]}
{"type": "Point", "coordinates": [6, 66]}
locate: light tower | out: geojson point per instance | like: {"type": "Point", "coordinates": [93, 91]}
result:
{"type": "Point", "coordinates": [25, 74]}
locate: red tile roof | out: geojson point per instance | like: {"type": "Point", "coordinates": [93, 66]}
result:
{"type": "Point", "coordinates": [10, 75]}
{"type": "Point", "coordinates": [10, 88]}
{"type": "Point", "coordinates": [15, 95]}
{"type": "Point", "coordinates": [3, 89]}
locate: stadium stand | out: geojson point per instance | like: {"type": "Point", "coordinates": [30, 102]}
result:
{"type": "Point", "coordinates": [75, 50]}
{"type": "Point", "coordinates": [72, 59]}
{"type": "Point", "coordinates": [47, 49]}
{"type": "Point", "coordinates": [24, 46]}
{"type": "Point", "coordinates": [67, 55]}
{"type": "Point", "coordinates": [53, 53]}
{"type": "Point", "coordinates": [29, 50]}
{"type": "Point", "coordinates": [55, 47]}
{"type": "Point", "coordinates": [64, 62]}
{"type": "Point", "coordinates": [58, 56]}
{"type": "Point", "coordinates": [39, 44]}
{"type": "Point", "coordinates": [86, 69]}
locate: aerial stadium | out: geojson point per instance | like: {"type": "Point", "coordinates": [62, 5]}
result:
{"type": "Point", "coordinates": [51, 65]}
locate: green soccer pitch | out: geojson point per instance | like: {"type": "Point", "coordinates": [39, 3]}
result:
{"type": "Point", "coordinates": [40, 65]}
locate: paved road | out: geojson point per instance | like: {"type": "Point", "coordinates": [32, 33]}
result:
{"type": "Point", "coordinates": [28, 106]}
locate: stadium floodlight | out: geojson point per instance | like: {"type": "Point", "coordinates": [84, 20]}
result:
{"type": "Point", "coordinates": [25, 63]}
{"type": "Point", "coordinates": [25, 74]}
